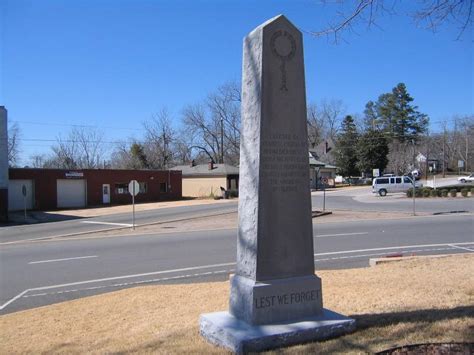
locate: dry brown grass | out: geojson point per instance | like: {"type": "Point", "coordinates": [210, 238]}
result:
{"type": "Point", "coordinates": [401, 303]}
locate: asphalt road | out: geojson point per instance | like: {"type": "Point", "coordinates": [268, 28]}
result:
{"type": "Point", "coordinates": [358, 199]}
{"type": "Point", "coordinates": [362, 199]}
{"type": "Point", "coordinates": [44, 272]}
{"type": "Point", "coordinates": [81, 225]}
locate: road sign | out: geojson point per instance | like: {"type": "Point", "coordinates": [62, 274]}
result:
{"type": "Point", "coordinates": [133, 187]}
{"type": "Point", "coordinates": [23, 190]}
{"type": "Point", "coordinates": [460, 163]}
{"type": "Point", "coordinates": [375, 172]}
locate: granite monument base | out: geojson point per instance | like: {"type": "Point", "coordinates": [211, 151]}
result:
{"type": "Point", "coordinates": [279, 300]}
{"type": "Point", "coordinates": [223, 329]}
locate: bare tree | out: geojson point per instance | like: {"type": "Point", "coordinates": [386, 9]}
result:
{"type": "Point", "coordinates": [38, 160]}
{"type": "Point", "coordinates": [430, 14]}
{"type": "Point", "coordinates": [13, 144]}
{"type": "Point", "coordinates": [212, 128]}
{"type": "Point", "coordinates": [316, 126]}
{"type": "Point", "coordinates": [160, 138]}
{"type": "Point", "coordinates": [401, 157]}
{"type": "Point", "coordinates": [83, 148]}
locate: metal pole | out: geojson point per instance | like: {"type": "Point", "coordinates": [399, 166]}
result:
{"type": "Point", "coordinates": [24, 205]}
{"type": "Point", "coordinates": [324, 197]}
{"type": "Point", "coordinates": [133, 203]}
{"type": "Point", "coordinates": [413, 177]}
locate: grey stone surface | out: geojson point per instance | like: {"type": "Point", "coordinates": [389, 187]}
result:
{"type": "Point", "coordinates": [223, 329]}
{"type": "Point", "coordinates": [3, 148]}
{"type": "Point", "coordinates": [258, 302]}
{"type": "Point", "coordinates": [3, 164]}
{"type": "Point", "coordinates": [275, 298]}
{"type": "Point", "coordinates": [275, 232]}
{"type": "Point", "coordinates": [275, 239]}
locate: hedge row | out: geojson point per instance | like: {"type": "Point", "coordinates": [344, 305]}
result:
{"type": "Point", "coordinates": [443, 192]}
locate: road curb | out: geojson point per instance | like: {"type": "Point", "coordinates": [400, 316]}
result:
{"type": "Point", "coordinates": [390, 259]}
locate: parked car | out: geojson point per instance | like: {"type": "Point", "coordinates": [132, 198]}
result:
{"type": "Point", "coordinates": [464, 179]}
{"type": "Point", "coordinates": [383, 185]}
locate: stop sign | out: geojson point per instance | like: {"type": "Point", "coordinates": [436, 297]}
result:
{"type": "Point", "coordinates": [133, 187]}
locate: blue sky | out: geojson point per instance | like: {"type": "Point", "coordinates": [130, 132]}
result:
{"type": "Point", "coordinates": [114, 63]}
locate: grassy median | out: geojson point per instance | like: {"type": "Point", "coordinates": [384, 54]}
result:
{"type": "Point", "coordinates": [413, 301]}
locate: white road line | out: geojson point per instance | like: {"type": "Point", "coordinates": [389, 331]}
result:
{"type": "Point", "coordinates": [131, 276]}
{"type": "Point", "coordinates": [111, 279]}
{"type": "Point", "coordinates": [110, 223]}
{"type": "Point", "coordinates": [392, 248]}
{"type": "Point", "coordinates": [65, 259]}
{"type": "Point", "coordinates": [13, 299]}
{"type": "Point", "coordinates": [379, 254]}
{"type": "Point", "coordinates": [455, 246]}
{"type": "Point", "coordinates": [132, 283]}
{"type": "Point", "coordinates": [340, 235]}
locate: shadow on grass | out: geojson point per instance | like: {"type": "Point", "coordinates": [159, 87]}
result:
{"type": "Point", "coordinates": [370, 334]}
{"type": "Point", "coordinates": [365, 321]}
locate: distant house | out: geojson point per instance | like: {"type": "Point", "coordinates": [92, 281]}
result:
{"type": "Point", "coordinates": [324, 151]}
{"type": "Point", "coordinates": [321, 173]}
{"type": "Point", "coordinates": [201, 180]}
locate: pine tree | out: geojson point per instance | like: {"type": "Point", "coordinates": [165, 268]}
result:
{"type": "Point", "coordinates": [399, 118]}
{"type": "Point", "coordinates": [372, 150]}
{"type": "Point", "coordinates": [345, 150]}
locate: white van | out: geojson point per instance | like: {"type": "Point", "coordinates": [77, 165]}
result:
{"type": "Point", "coordinates": [382, 185]}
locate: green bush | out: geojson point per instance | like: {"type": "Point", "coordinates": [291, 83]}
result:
{"type": "Point", "coordinates": [464, 192]}
{"type": "Point", "coordinates": [410, 193]}
{"type": "Point", "coordinates": [233, 193]}
{"type": "Point", "coordinates": [434, 193]}
{"type": "Point", "coordinates": [459, 187]}
{"type": "Point", "coordinates": [444, 193]}
{"type": "Point", "coordinates": [418, 193]}
{"type": "Point", "coordinates": [426, 192]}
{"type": "Point", "coordinates": [472, 191]}
{"type": "Point", "coordinates": [453, 192]}
{"type": "Point", "coordinates": [438, 192]}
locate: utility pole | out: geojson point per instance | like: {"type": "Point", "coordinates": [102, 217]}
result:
{"type": "Point", "coordinates": [222, 140]}
{"type": "Point", "coordinates": [444, 152]}
{"type": "Point", "coordinates": [413, 178]}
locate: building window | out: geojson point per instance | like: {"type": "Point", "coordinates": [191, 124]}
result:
{"type": "Point", "coordinates": [121, 189]}
{"type": "Point", "coordinates": [143, 187]}
{"type": "Point", "coordinates": [163, 187]}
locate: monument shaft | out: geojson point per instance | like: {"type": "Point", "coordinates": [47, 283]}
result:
{"type": "Point", "coordinates": [275, 297]}
{"type": "Point", "coordinates": [275, 240]}
{"type": "Point", "coordinates": [275, 230]}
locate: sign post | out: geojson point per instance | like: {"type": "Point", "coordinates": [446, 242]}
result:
{"type": "Point", "coordinates": [23, 192]}
{"type": "Point", "coordinates": [133, 189]}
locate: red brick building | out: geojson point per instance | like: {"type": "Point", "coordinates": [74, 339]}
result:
{"type": "Point", "coordinates": [49, 189]}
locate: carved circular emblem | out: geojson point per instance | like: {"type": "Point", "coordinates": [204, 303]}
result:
{"type": "Point", "coordinates": [283, 45]}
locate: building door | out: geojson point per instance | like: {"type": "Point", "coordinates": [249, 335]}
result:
{"type": "Point", "coordinates": [71, 193]}
{"type": "Point", "coordinates": [105, 193]}
{"type": "Point", "coordinates": [16, 199]}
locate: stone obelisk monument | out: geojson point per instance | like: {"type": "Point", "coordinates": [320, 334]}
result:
{"type": "Point", "coordinates": [275, 298]}
{"type": "Point", "coordinates": [3, 165]}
